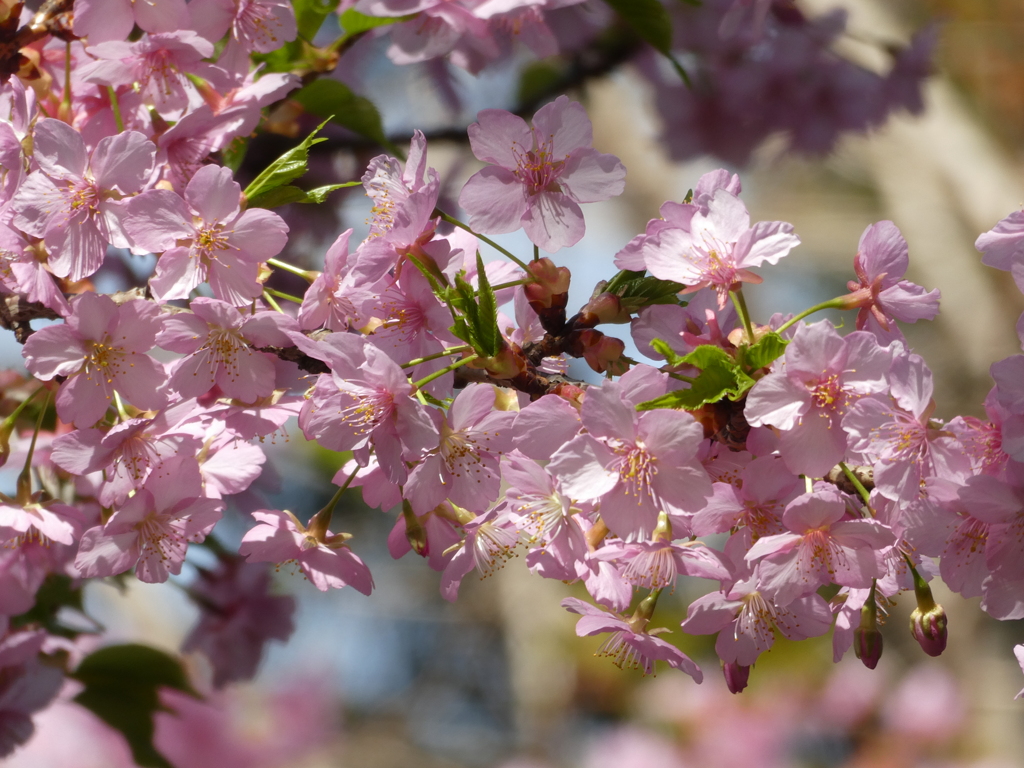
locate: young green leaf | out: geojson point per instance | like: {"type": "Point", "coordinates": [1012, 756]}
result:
{"type": "Point", "coordinates": [310, 15]}
{"type": "Point", "coordinates": [288, 167]}
{"type": "Point", "coordinates": [292, 194]}
{"type": "Point", "coordinates": [354, 22]}
{"type": "Point", "coordinates": [765, 351]}
{"type": "Point", "coordinates": [649, 19]}
{"type": "Point", "coordinates": [487, 316]}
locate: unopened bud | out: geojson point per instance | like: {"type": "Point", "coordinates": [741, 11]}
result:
{"type": "Point", "coordinates": [929, 629]}
{"type": "Point", "coordinates": [602, 308]}
{"type": "Point", "coordinates": [928, 620]}
{"type": "Point", "coordinates": [551, 286]}
{"type": "Point", "coordinates": [415, 533]}
{"type": "Point", "coordinates": [867, 639]}
{"type": "Point", "coordinates": [603, 353]}
{"type": "Point", "coordinates": [736, 676]}
{"type": "Point", "coordinates": [507, 364]}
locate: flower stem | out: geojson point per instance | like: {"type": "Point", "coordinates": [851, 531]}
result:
{"type": "Point", "coordinates": [304, 274]}
{"type": "Point", "coordinates": [115, 107]}
{"type": "Point", "coordinates": [283, 295]}
{"type": "Point", "coordinates": [436, 355]}
{"type": "Point", "coordinates": [513, 283]}
{"type": "Point", "coordinates": [438, 374]}
{"type": "Point", "coordinates": [836, 303]}
{"type": "Point", "coordinates": [856, 483]}
{"type": "Point", "coordinates": [270, 300]}
{"type": "Point", "coordinates": [455, 222]}
{"type": "Point", "coordinates": [24, 482]}
{"type": "Point", "coordinates": [321, 521]}
{"type": "Point", "coordinates": [536, 252]}
{"type": "Point", "coordinates": [741, 309]}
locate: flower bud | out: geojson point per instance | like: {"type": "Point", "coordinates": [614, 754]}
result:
{"type": "Point", "coordinates": [551, 287]}
{"type": "Point", "coordinates": [867, 644]}
{"type": "Point", "coordinates": [929, 629]}
{"type": "Point", "coordinates": [602, 308]}
{"type": "Point", "coordinates": [603, 353]}
{"type": "Point", "coordinates": [736, 676]}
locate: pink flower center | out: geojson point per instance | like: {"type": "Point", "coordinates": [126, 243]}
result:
{"type": "Point", "coordinates": [104, 359]}
{"type": "Point", "coordinates": [208, 242]}
{"type": "Point", "coordinates": [637, 469]}
{"type": "Point", "coordinates": [368, 409]}
{"type": "Point", "coordinates": [828, 394]}
{"type": "Point", "coordinates": [536, 169]}
{"type": "Point", "coordinates": [756, 620]}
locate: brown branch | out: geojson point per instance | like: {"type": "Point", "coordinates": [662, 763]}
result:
{"type": "Point", "coordinates": [53, 18]}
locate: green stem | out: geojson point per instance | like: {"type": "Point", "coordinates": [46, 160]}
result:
{"type": "Point", "coordinates": [438, 374]}
{"type": "Point", "coordinates": [321, 521]}
{"type": "Point", "coordinates": [513, 283]}
{"type": "Point", "coordinates": [536, 252]}
{"type": "Point", "coordinates": [115, 106]}
{"type": "Point", "coordinates": [680, 377]}
{"type": "Point", "coordinates": [66, 100]}
{"type": "Point", "coordinates": [24, 482]}
{"type": "Point", "coordinates": [277, 264]}
{"type": "Point", "coordinates": [283, 295]}
{"type": "Point", "coordinates": [455, 222]}
{"type": "Point", "coordinates": [836, 303]}
{"type": "Point", "coordinates": [436, 355]}
{"type": "Point", "coordinates": [270, 300]}
{"type": "Point", "coordinates": [741, 309]}
{"type": "Point", "coordinates": [121, 411]}
{"type": "Point", "coordinates": [861, 490]}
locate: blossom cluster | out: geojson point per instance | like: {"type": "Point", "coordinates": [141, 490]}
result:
{"type": "Point", "coordinates": [773, 461]}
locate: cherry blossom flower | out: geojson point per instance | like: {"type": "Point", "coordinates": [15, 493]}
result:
{"type": "Point", "coordinates": [73, 200]}
{"type": "Point", "coordinates": [255, 25]}
{"type": "Point", "coordinates": [538, 175]}
{"type": "Point", "coordinates": [756, 502]}
{"type": "Point", "coordinates": [491, 541]}
{"type": "Point", "coordinates": [1003, 246]}
{"type": "Point", "coordinates": [327, 562]}
{"type": "Point", "coordinates": [218, 342]}
{"type": "Point", "coordinates": [335, 297]}
{"type": "Point", "coordinates": [154, 527]}
{"type": "Point", "coordinates": [822, 548]}
{"type": "Point", "coordinates": [880, 292]}
{"type": "Point", "coordinates": [22, 271]}
{"type": "Point", "coordinates": [100, 349]}
{"type": "Point", "coordinates": [464, 467]}
{"type": "Point", "coordinates": [824, 374]}
{"type": "Point", "coordinates": [205, 237]}
{"type": "Point", "coordinates": [659, 563]}
{"type": "Point", "coordinates": [718, 248]}
{"type": "Point", "coordinates": [619, 462]}
{"type": "Point", "coordinates": [630, 645]}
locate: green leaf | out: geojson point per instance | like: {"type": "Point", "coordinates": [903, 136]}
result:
{"type": "Point", "coordinates": [662, 347]}
{"type": "Point", "coordinates": [765, 351]}
{"type": "Point", "coordinates": [642, 292]}
{"type": "Point", "coordinates": [310, 15]}
{"type": "Point", "coordinates": [720, 376]}
{"type": "Point", "coordinates": [122, 684]}
{"type": "Point", "coordinates": [487, 332]}
{"type": "Point", "coordinates": [334, 100]}
{"type": "Point", "coordinates": [649, 19]}
{"type": "Point", "coordinates": [283, 59]}
{"type": "Point", "coordinates": [234, 153]}
{"type": "Point", "coordinates": [292, 194]}
{"type": "Point", "coordinates": [354, 22]}
{"type": "Point", "coordinates": [288, 167]}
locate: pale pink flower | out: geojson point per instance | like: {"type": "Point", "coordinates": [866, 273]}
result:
{"type": "Point", "coordinates": [205, 237]}
{"type": "Point", "coordinates": [880, 292]}
{"type": "Point", "coordinates": [1003, 246]}
{"type": "Point", "coordinates": [335, 297]}
{"type": "Point", "coordinates": [491, 541]}
{"type": "Point", "coordinates": [38, 521]}
{"type": "Point", "coordinates": [104, 20]}
{"type": "Point", "coordinates": [719, 247]}
{"type": "Point", "coordinates": [100, 348]}
{"type": "Point", "coordinates": [658, 563]}
{"type": "Point", "coordinates": [329, 564]}
{"type": "Point", "coordinates": [538, 175]}
{"type": "Point", "coordinates": [22, 272]}
{"type": "Point", "coordinates": [74, 200]}
{"type": "Point", "coordinates": [218, 341]}
{"type": "Point", "coordinates": [823, 375]}
{"type": "Point", "coordinates": [630, 645]}
{"type": "Point", "coordinates": [254, 25]}
{"type": "Point", "coordinates": [822, 548]}
{"type": "Point", "coordinates": [756, 502]}
{"type": "Point", "coordinates": [153, 529]}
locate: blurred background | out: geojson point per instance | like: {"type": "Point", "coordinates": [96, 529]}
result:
{"type": "Point", "coordinates": [499, 679]}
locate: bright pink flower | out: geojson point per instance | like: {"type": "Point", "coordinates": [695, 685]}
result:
{"type": "Point", "coordinates": [238, 615]}
{"type": "Point", "coordinates": [823, 375]}
{"type": "Point", "coordinates": [718, 248]}
{"type": "Point", "coordinates": [218, 340]}
{"type": "Point", "coordinates": [205, 237]}
{"type": "Point", "coordinates": [881, 293]}
{"type": "Point", "coordinates": [367, 399]}
{"type": "Point", "coordinates": [463, 468]}
{"type": "Point", "coordinates": [684, 328]}
{"type": "Point", "coordinates": [630, 645]}
{"type": "Point", "coordinates": [538, 175]}
{"type": "Point", "coordinates": [635, 464]}
{"type": "Point", "coordinates": [756, 502]}
{"type": "Point", "coordinates": [154, 527]}
{"type": "Point", "coordinates": [74, 201]}
{"type": "Point", "coordinates": [746, 620]}
{"type": "Point", "coordinates": [329, 564]}
{"type": "Point", "coordinates": [101, 348]}
{"type": "Point", "coordinates": [822, 548]}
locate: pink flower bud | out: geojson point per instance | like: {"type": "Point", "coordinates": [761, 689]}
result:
{"type": "Point", "coordinates": [603, 353]}
{"type": "Point", "coordinates": [736, 676]}
{"type": "Point", "coordinates": [929, 629]}
{"type": "Point", "coordinates": [551, 286]}
{"type": "Point", "coordinates": [602, 308]}
{"type": "Point", "coordinates": [867, 644]}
